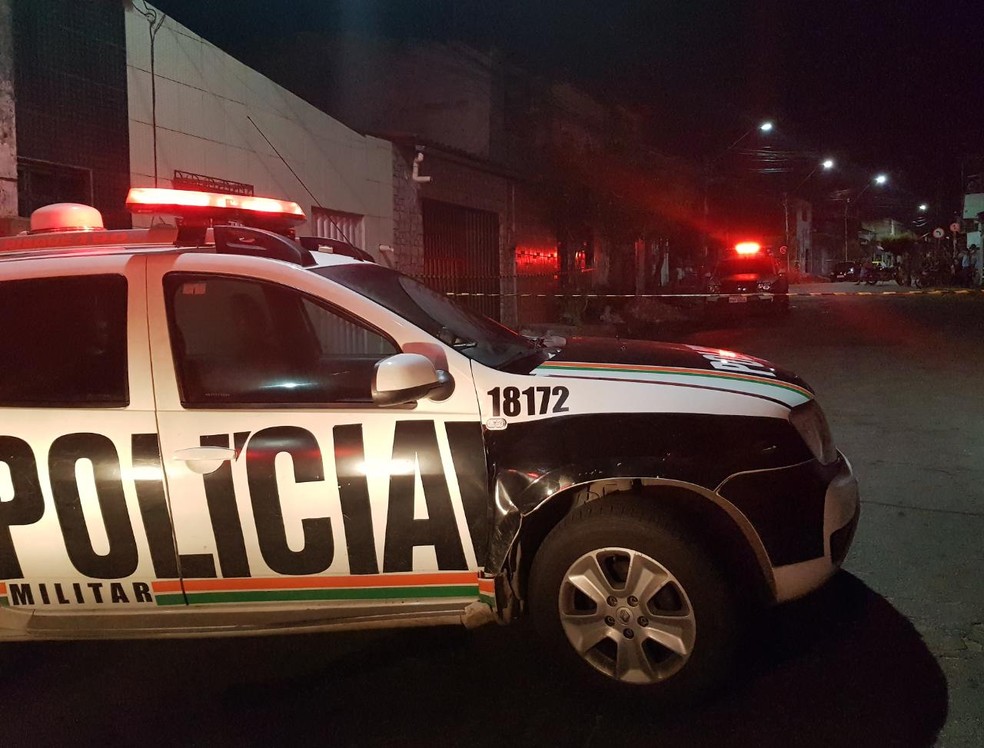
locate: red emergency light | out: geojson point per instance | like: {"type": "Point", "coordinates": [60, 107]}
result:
{"type": "Point", "coordinates": [748, 248]}
{"type": "Point", "coordinates": [213, 206]}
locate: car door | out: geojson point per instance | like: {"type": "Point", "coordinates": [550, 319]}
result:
{"type": "Point", "coordinates": [290, 488]}
{"type": "Point", "coordinates": [83, 518]}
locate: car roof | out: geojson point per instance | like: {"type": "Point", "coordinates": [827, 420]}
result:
{"type": "Point", "coordinates": [130, 242]}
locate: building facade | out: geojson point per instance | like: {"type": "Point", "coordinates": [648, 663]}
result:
{"type": "Point", "coordinates": [577, 196]}
{"type": "Point", "coordinates": [114, 95]}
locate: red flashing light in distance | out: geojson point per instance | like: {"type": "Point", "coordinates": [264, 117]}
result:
{"type": "Point", "coordinates": [213, 205]}
{"type": "Point", "coordinates": [748, 248]}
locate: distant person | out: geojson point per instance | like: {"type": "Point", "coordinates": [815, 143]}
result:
{"type": "Point", "coordinates": [960, 264]}
{"type": "Point", "coordinates": [867, 269]}
{"type": "Point", "coordinates": [972, 256]}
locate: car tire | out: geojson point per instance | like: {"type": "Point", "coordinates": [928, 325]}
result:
{"type": "Point", "coordinates": [671, 634]}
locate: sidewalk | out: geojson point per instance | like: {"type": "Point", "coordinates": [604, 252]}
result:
{"type": "Point", "coordinates": [884, 287]}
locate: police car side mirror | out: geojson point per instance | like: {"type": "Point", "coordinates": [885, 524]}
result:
{"type": "Point", "coordinates": [409, 377]}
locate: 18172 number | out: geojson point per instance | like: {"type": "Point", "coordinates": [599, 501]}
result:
{"type": "Point", "coordinates": [512, 401]}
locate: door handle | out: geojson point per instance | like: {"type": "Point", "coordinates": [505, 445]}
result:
{"type": "Point", "coordinates": [204, 460]}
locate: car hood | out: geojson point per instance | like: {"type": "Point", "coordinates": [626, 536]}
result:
{"type": "Point", "coordinates": [674, 364]}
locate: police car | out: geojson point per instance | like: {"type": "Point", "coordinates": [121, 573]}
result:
{"type": "Point", "coordinates": [216, 429]}
{"type": "Point", "coordinates": [748, 279]}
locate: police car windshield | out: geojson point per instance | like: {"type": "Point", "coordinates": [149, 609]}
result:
{"type": "Point", "coordinates": [474, 335]}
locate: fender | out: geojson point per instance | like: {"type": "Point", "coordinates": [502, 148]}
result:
{"type": "Point", "coordinates": [535, 460]}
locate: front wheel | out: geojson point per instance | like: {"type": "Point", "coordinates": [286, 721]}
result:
{"type": "Point", "coordinates": [631, 594]}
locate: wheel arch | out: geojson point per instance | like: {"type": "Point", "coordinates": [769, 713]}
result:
{"type": "Point", "coordinates": [731, 537]}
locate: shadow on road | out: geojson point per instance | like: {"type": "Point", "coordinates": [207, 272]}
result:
{"type": "Point", "coordinates": [840, 668]}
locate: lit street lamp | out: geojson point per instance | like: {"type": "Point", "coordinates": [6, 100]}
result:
{"type": "Point", "coordinates": [763, 127]}
{"type": "Point", "coordinates": [879, 179]}
{"type": "Point", "coordinates": [827, 164]}
{"type": "Point", "coordinates": [923, 208]}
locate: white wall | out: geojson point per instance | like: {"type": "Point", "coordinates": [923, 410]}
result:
{"type": "Point", "coordinates": [204, 97]}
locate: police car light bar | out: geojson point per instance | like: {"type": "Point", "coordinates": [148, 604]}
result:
{"type": "Point", "coordinates": [748, 248]}
{"type": "Point", "coordinates": [214, 205]}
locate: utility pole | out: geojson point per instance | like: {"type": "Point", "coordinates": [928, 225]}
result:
{"type": "Point", "coordinates": [847, 204]}
{"type": "Point", "coordinates": [706, 183]}
{"type": "Point", "coordinates": [709, 163]}
{"type": "Point", "coordinates": [879, 179]}
{"type": "Point", "coordinates": [785, 212]}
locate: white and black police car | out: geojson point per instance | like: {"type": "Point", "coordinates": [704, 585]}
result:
{"type": "Point", "coordinates": [216, 429]}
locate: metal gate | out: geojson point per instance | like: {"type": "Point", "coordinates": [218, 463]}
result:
{"type": "Point", "coordinates": [333, 224]}
{"type": "Point", "coordinates": [461, 254]}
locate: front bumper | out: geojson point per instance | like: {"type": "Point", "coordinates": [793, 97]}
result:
{"type": "Point", "coordinates": [841, 511]}
{"type": "Point", "coordinates": [745, 302]}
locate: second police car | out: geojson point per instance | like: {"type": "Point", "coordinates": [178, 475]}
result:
{"type": "Point", "coordinates": [747, 279]}
{"type": "Point", "coordinates": [216, 429]}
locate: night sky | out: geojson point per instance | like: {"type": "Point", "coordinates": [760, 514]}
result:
{"type": "Point", "coordinates": [887, 85]}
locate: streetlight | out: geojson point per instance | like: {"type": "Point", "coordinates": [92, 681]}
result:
{"type": "Point", "coordinates": [763, 127]}
{"type": "Point", "coordinates": [923, 207]}
{"type": "Point", "coordinates": [827, 164]}
{"type": "Point", "coordinates": [879, 179]}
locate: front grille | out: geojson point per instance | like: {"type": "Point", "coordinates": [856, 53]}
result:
{"type": "Point", "coordinates": [733, 287]}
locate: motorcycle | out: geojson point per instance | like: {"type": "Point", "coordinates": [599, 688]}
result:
{"type": "Point", "coordinates": [880, 273]}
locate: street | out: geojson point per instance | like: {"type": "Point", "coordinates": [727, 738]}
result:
{"type": "Point", "coordinates": [889, 653]}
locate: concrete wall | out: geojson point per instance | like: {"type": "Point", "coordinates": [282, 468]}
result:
{"type": "Point", "coordinates": [454, 180]}
{"type": "Point", "coordinates": [71, 91]}
{"type": "Point", "coordinates": [408, 223]}
{"type": "Point", "coordinates": [8, 137]}
{"type": "Point", "coordinates": [204, 101]}
{"type": "Point", "coordinates": [440, 91]}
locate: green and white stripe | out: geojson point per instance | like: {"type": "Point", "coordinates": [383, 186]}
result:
{"type": "Point", "coordinates": [746, 384]}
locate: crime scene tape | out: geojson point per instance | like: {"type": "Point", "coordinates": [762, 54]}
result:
{"type": "Point", "coordinates": [803, 294]}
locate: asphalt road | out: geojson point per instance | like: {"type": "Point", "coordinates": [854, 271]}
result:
{"type": "Point", "coordinates": [889, 653]}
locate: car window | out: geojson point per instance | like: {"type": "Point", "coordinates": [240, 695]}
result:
{"type": "Point", "coordinates": [63, 342]}
{"type": "Point", "coordinates": [477, 337]}
{"type": "Point", "coordinates": [239, 342]}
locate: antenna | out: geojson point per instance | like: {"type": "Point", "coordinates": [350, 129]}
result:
{"type": "Point", "coordinates": [301, 181]}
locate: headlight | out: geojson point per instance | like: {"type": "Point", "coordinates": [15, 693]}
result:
{"type": "Point", "coordinates": [764, 285]}
{"type": "Point", "coordinates": [811, 424]}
